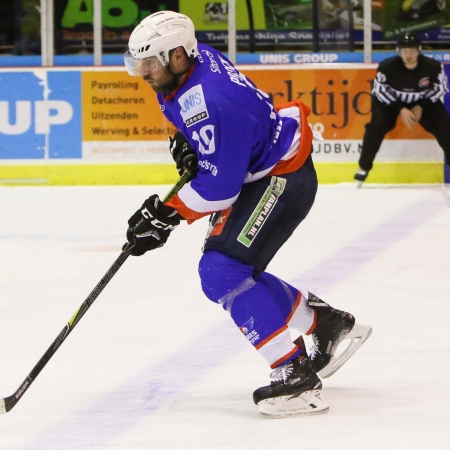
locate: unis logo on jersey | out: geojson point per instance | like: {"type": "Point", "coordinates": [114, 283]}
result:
{"type": "Point", "coordinates": [193, 106]}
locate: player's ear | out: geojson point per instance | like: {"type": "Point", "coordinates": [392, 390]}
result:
{"type": "Point", "coordinates": [178, 53]}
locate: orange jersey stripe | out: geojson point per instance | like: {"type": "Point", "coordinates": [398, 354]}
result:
{"type": "Point", "coordinates": [304, 150]}
{"type": "Point", "coordinates": [187, 213]}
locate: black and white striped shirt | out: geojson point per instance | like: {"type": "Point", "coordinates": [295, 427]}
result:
{"type": "Point", "coordinates": [397, 86]}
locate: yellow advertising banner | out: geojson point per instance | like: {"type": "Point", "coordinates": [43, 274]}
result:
{"type": "Point", "coordinates": [122, 119]}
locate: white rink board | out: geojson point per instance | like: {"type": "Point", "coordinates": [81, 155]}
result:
{"type": "Point", "coordinates": [392, 150]}
{"type": "Point", "coordinates": [156, 152]}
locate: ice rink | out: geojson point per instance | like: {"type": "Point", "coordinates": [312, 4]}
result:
{"type": "Point", "coordinates": [155, 365]}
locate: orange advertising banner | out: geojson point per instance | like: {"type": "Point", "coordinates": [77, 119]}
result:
{"type": "Point", "coordinates": [117, 107]}
{"type": "Point", "coordinates": [339, 99]}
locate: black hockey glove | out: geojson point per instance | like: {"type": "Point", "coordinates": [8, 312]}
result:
{"type": "Point", "coordinates": [184, 155]}
{"type": "Point", "coordinates": [150, 226]}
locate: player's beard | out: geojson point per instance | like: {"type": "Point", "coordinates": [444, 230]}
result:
{"type": "Point", "coordinates": [170, 80]}
{"type": "Point", "coordinates": [167, 86]}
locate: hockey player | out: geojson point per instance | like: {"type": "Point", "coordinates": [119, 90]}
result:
{"type": "Point", "coordinates": [251, 171]}
{"type": "Point", "coordinates": [410, 85]}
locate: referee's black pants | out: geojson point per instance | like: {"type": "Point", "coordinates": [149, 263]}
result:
{"type": "Point", "coordinates": [435, 119]}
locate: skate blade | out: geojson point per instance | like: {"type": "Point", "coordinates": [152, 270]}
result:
{"type": "Point", "coordinates": [357, 336]}
{"type": "Point", "coordinates": [307, 403]}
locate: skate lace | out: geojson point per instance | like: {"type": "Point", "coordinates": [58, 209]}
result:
{"type": "Point", "coordinates": [314, 351]}
{"type": "Point", "coordinates": [281, 374]}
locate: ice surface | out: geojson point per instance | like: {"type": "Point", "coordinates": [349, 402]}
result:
{"type": "Point", "coordinates": [154, 365]}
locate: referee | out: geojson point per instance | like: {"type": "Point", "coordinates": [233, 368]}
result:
{"type": "Point", "coordinates": [410, 85]}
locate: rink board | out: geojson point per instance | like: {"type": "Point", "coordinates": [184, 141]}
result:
{"type": "Point", "coordinates": [100, 126]}
{"type": "Point", "coordinates": [138, 174]}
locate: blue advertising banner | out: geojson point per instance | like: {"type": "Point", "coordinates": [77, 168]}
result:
{"type": "Point", "coordinates": [40, 115]}
{"type": "Point", "coordinates": [241, 58]}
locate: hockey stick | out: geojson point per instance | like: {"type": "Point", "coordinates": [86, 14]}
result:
{"type": "Point", "coordinates": [446, 195]}
{"type": "Point", "coordinates": [7, 403]}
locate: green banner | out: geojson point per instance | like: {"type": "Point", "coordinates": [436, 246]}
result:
{"type": "Point", "coordinates": [213, 16]}
{"type": "Point", "coordinates": [414, 16]}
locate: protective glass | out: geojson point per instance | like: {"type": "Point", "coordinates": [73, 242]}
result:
{"type": "Point", "coordinates": [141, 66]}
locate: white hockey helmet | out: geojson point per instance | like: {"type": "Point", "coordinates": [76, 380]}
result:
{"type": "Point", "coordinates": [155, 36]}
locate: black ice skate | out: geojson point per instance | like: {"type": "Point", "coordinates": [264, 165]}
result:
{"type": "Point", "coordinates": [332, 328]}
{"type": "Point", "coordinates": [360, 177]}
{"type": "Point", "coordinates": [295, 390]}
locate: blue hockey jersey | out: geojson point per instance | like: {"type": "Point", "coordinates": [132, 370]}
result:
{"type": "Point", "coordinates": [237, 133]}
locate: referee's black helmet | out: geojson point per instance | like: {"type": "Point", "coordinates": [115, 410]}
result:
{"type": "Point", "coordinates": [409, 40]}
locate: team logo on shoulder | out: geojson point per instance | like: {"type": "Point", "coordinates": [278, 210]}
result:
{"type": "Point", "coordinates": [193, 106]}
